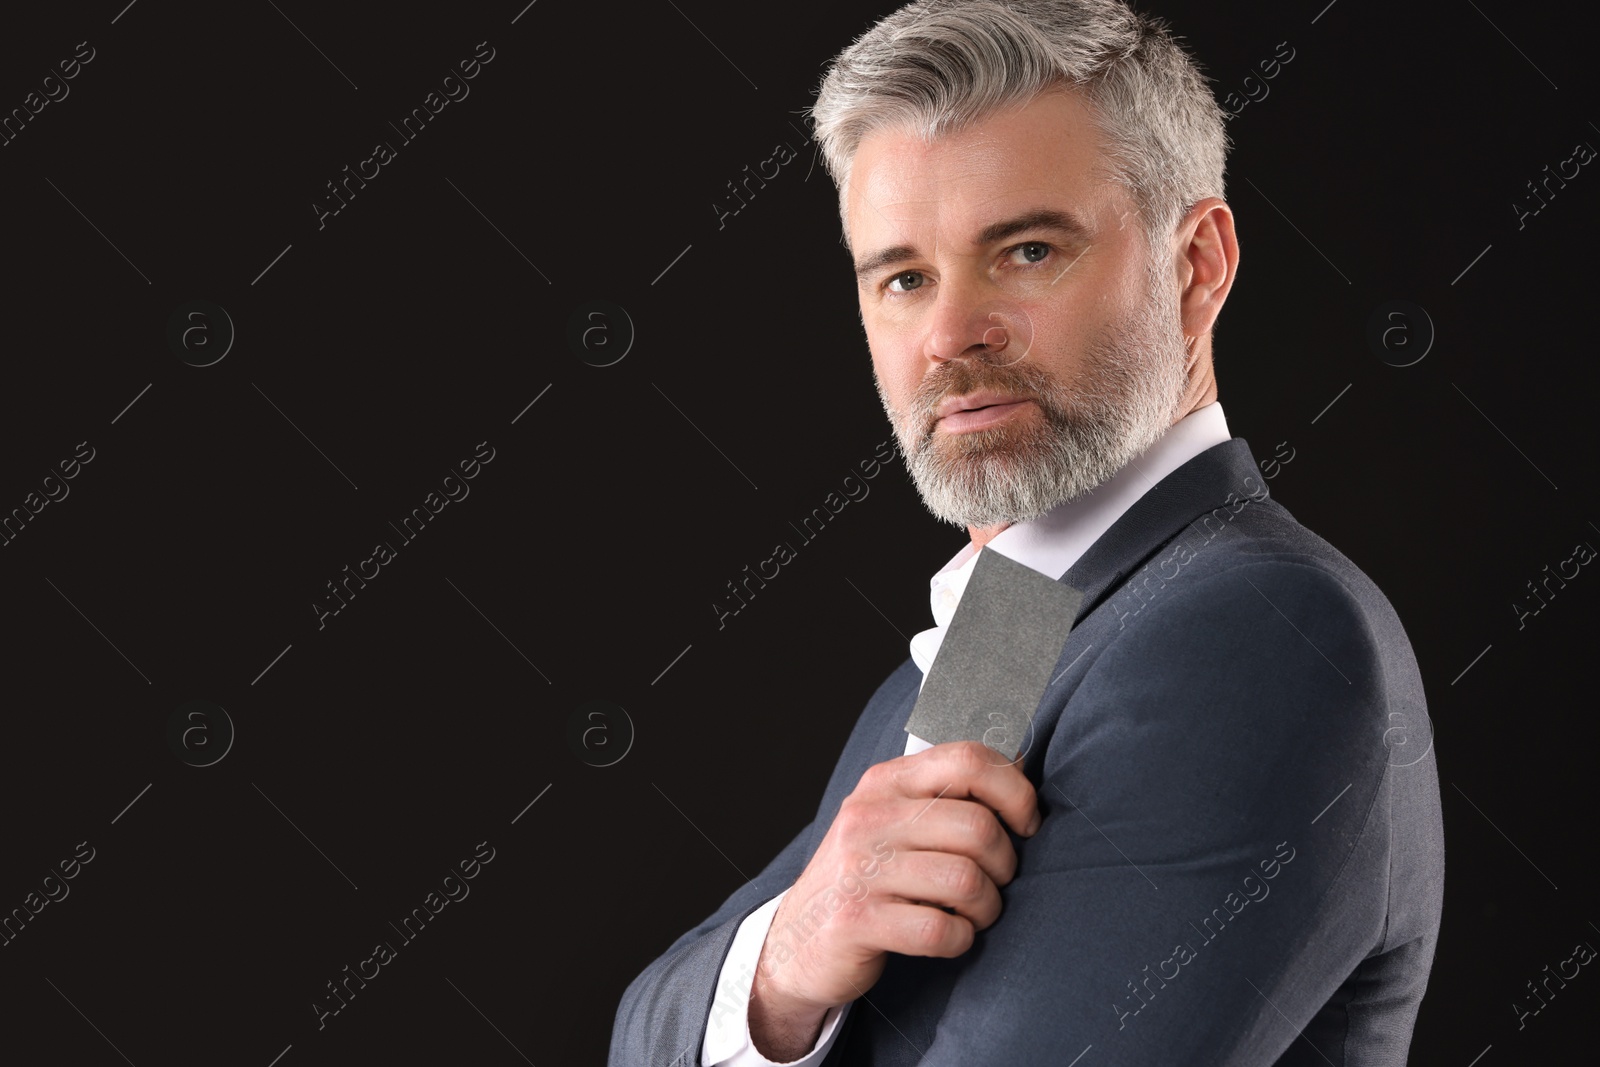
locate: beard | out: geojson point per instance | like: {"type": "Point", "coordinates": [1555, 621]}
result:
{"type": "Point", "coordinates": [1126, 396]}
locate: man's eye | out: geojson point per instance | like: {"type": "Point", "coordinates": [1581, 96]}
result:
{"type": "Point", "coordinates": [1033, 251]}
{"type": "Point", "coordinates": [1042, 248]}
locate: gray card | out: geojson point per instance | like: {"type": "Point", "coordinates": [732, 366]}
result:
{"type": "Point", "coordinates": [994, 664]}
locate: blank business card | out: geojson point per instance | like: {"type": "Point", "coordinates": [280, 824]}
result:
{"type": "Point", "coordinates": [994, 664]}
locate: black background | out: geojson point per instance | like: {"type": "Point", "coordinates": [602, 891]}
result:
{"type": "Point", "coordinates": [379, 350]}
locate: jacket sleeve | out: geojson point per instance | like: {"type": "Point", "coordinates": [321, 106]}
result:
{"type": "Point", "coordinates": [1213, 860]}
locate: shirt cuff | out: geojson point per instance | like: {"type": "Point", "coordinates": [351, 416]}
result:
{"type": "Point", "coordinates": [728, 1042]}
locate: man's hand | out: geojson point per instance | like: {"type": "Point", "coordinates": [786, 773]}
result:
{"type": "Point", "coordinates": [926, 830]}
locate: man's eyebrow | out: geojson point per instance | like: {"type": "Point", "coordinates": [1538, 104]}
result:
{"type": "Point", "coordinates": [1038, 219]}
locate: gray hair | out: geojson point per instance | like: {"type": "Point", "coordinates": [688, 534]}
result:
{"type": "Point", "coordinates": [938, 67]}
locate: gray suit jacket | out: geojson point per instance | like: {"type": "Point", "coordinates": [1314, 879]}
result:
{"type": "Point", "coordinates": [1242, 859]}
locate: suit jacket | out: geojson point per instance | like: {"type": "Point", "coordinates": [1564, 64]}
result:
{"type": "Point", "coordinates": [1241, 860]}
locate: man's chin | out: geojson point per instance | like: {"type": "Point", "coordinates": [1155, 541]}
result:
{"type": "Point", "coordinates": [970, 496]}
{"type": "Point", "coordinates": [967, 505]}
{"type": "Point", "coordinates": [981, 455]}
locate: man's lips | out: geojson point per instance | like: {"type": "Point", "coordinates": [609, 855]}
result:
{"type": "Point", "coordinates": [981, 417]}
{"type": "Point", "coordinates": [975, 401]}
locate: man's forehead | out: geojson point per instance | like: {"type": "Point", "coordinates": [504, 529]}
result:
{"type": "Point", "coordinates": [1048, 151]}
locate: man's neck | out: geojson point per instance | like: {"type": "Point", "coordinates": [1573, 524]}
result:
{"type": "Point", "coordinates": [981, 537]}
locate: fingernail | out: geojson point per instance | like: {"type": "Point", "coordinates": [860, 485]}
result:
{"type": "Point", "coordinates": [1035, 823]}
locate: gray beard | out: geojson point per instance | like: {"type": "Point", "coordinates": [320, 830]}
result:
{"type": "Point", "coordinates": [1127, 397]}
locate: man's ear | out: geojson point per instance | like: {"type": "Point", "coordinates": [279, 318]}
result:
{"type": "Point", "coordinates": [1210, 259]}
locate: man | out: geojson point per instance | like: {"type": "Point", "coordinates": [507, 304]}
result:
{"type": "Point", "coordinates": [1221, 843]}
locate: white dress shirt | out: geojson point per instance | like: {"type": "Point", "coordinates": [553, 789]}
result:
{"type": "Point", "coordinates": [1049, 544]}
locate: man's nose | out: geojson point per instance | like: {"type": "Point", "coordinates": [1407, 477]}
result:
{"type": "Point", "coordinates": [973, 319]}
